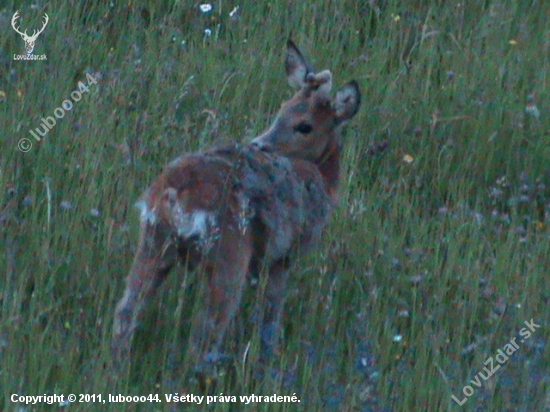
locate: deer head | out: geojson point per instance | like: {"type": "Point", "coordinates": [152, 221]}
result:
{"type": "Point", "coordinates": [29, 40]}
{"type": "Point", "coordinates": [308, 123]}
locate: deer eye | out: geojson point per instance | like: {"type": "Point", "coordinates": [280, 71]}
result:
{"type": "Point", "coordinates": [303, 128]}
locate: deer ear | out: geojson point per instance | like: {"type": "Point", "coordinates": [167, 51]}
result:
{"type": "Point", "coordinates": [347, 101]}
{"type": "Point", "coordinates": [296, 66]}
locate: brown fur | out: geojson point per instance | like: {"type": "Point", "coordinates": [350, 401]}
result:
{"type": "Point", "coordinates": [236, 209]}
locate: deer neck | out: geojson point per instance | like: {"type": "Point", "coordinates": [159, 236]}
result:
{"type": "Point", "coordinates": [329, 166]}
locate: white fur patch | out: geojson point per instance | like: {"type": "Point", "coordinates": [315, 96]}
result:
{"type": "Point", "coordinates": [197, 222]}
{"type": "Point", "coordinates": [146, 214]}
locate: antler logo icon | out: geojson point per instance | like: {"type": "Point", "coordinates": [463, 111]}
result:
{"type": "Point", "coordinates": [29, 40]}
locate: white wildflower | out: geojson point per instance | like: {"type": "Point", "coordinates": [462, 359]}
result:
{"type": "Point", "coordinates": [234, 11]}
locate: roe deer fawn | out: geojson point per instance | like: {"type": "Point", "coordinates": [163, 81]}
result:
{"type": "Point", "coordinates": [234, 210]}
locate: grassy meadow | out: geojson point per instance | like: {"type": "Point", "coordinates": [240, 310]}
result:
{"type": "Point", "coordinates": [436, 257]}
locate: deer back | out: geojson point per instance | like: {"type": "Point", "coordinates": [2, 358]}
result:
{"type": "Point", "coordinates": [283, 201]}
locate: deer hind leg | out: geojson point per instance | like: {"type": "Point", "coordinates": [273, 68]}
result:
{"type": "Point", "coordinates": [274, 298]}
{"type": "Point", "coordinates": [155, 257]}
{"type": "Point", "coordinates": [225, 267]}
